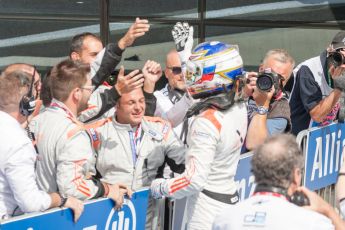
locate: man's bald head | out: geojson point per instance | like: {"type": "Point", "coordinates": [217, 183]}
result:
{"type": "Point", "coordinates": [274, 161]}
{"type": "Point", "coordinates": [23, 67]}
{"type": "Point", "coordinates": [173, 71]}
{"type": "Point", "coordinates": [28, 69]}
{"type": "Point", "coordinates": [172, 54]}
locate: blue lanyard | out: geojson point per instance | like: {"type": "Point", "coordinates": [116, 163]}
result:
{"type": "Point", "coordinates": [135, 139]}
{"type": "Point", "coordinates": [133, 147]}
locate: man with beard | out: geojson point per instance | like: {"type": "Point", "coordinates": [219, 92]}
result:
{"type": "Point", "coordinates": [66, 159]}
{"type": "Point", "coordinates": [19, 192]}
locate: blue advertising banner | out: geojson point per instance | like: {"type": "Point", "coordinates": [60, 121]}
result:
{"type": "Point", "coordinates": [323, 156]}
{"type": "Point", "coordinates": [244, 178]}
{"type": "Point", "coordinates": [98, 214]}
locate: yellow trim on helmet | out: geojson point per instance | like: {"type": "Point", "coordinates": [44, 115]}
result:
{"type": "Point", "coordinates": [222, 73]}
{"type": "Point", "coordinates": [211, 56]}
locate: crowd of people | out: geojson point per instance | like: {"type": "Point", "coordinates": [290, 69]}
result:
{"type": "Point", "coordinates": [71, 136]}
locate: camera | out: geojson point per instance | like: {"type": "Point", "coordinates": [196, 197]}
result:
{"type": "Point", "coordinates": [265, 81]}
{"type": "Point", "coordinates": [336, 58]}
{"type": "Point", "coordinates": [300, 199]}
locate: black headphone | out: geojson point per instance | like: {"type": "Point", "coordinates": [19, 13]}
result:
{"type": "Point", "coordinates": [27, 104]}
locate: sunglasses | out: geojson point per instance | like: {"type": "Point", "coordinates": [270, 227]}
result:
{"type": "Point", "coordinates": [175, 69]}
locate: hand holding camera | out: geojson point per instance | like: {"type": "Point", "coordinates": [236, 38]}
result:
{"type": "Point", "coordinates": [267, 79]}
{"type": "Point", "coordinates": [316, 203]}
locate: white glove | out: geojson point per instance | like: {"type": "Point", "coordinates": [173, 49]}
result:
{"type": "Point", "coordinates": [183, 37]}
{"type": "Point", "coordinates": [159, 188]}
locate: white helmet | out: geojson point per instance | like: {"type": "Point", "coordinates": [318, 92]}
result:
{"type": "Point", "coordinates": [213, 68]}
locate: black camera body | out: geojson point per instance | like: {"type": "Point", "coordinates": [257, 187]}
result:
{"type": "Point", "coordinates": [298, 198]}
{"type": "Point", "coordinates": [265, 81]}
{"type": "Point", "coordinates": [336, 58]}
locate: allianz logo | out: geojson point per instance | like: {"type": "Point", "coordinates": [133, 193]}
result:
{"type": "Point", "coordinates": [124, 219]}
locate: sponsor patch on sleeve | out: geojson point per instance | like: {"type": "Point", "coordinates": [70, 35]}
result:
{"type": "Point", "coordinates": [94, 136]}
{"type": "Point", "coordinates": [200, 134]}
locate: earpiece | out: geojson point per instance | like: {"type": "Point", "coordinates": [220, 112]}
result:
{"type": "Point", "coordinates": [28, 103]}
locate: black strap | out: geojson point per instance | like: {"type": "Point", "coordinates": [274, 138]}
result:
{"type": "Point", "coordinates": [31, 136]}
{"type": "Point", "coordinates": [225, 198]}
{"type": "Point", "coordinates": [269, 188]}
{"type": "Point", "coordinates": [174, 94]}
{"type": "Point", "coordinates": [220, 102]}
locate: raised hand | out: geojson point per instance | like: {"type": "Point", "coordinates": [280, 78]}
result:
{"type": "Point", "coordinates": [183, 38]}
{"type": "Point", "coordinates": [152, 72]}
{"type": "Point", "coordinates": [137, 29]}
{"type": "Point", "coordinates": [133, 80]}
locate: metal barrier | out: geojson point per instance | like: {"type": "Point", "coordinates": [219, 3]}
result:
{"type": "Point", "coordinates": [322, 150]}
{"type": "Point", "coordinates": [328, 192]}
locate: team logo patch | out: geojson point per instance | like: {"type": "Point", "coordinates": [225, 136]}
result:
{"type": "Point", "coordinates": [258, 219]}
{"type": "Point", "coordinates": [165, 129]}
{"type": "Point", "coordinates": [152, 133]}
{"type": "Point", "coordinates": [200, 134]}
{"type": "Point", "coordinates": [93, 134]}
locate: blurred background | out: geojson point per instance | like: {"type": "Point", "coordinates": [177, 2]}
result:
{"type": "Point", "coordinates": [38, 32]}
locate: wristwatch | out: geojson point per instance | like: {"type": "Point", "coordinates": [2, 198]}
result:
{"type": "Point", "coordinates": [63, 201]}
{"type": "Point", "coordinates": [261, 110]}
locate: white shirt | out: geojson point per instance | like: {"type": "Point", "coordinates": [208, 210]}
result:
{"type": "Point", "coordinates": [18, 185]}
{"type": "Point", "coordinates": [270, 212]}
{"type": "Point", "coordinates": [174, 113]}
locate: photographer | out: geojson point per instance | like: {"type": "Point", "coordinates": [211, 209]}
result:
{"type": "Point", "coordinates": [268, 110]}
{"type": "Point", "coordinates": [314, 99]}
{"type": "Point", "coordinates": [277, 166]}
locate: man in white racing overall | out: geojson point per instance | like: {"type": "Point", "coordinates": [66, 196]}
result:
{"type": "Point", "coordinates": [214, 137]}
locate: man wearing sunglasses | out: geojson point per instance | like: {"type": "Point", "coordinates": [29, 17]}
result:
{"type": "Point", "coordinates": [318, 83]}
{"type": "Point", "coordinates": [172, 102]}
{"type": "Point", "coordinates": [269, 111]}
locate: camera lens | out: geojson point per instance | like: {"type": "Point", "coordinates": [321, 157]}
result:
{"type": "Point", "coordinates": [337, 59]}
{"type": "Point", "coordinates": [264, 82]}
